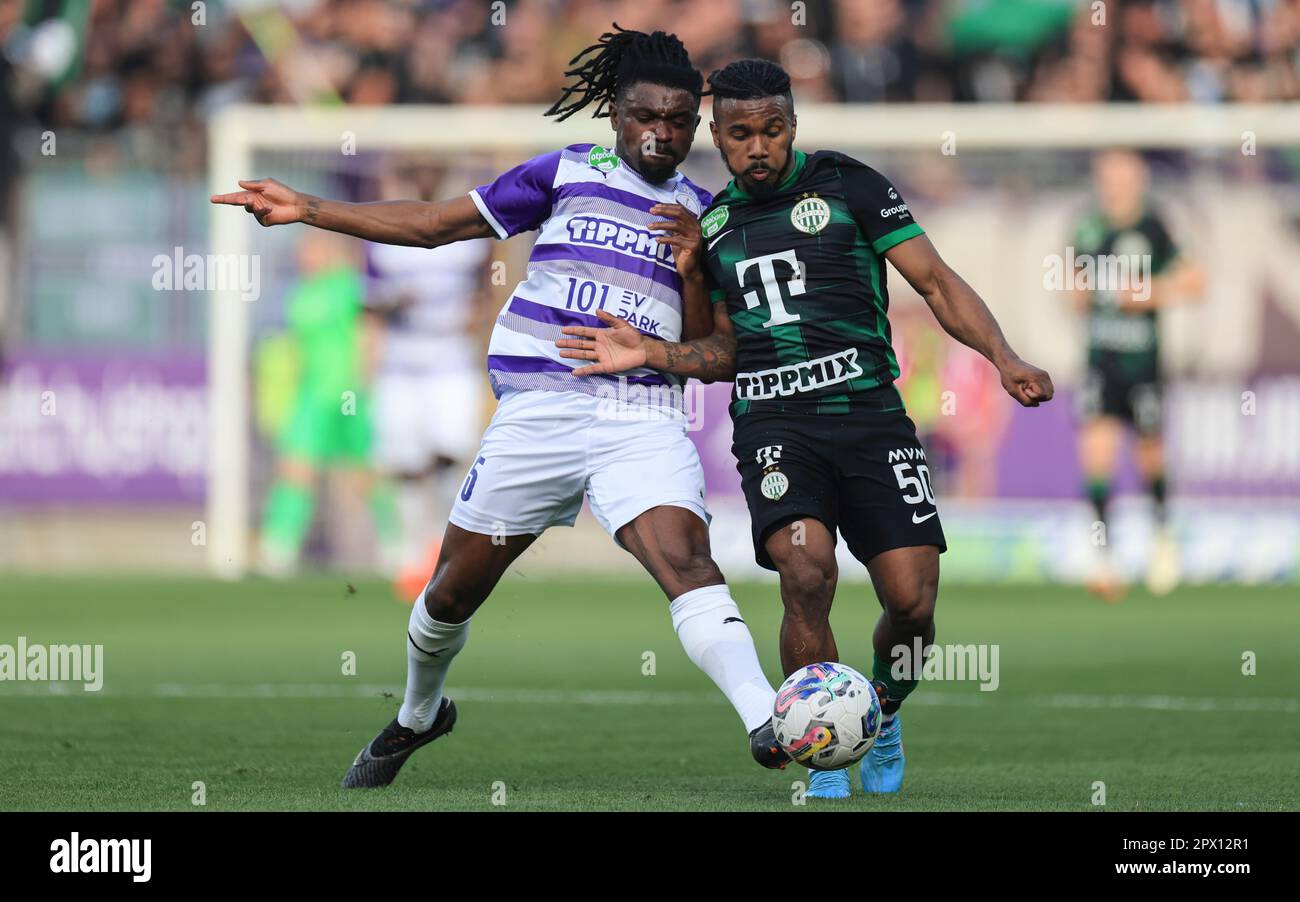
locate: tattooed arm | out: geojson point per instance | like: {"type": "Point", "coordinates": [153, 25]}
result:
{"type": "Point", "coordinates": [620, 347]}
{"type": "Point", "coordinates": [709, 359]}
{"type": "Point", "coordinates": [406, 222]}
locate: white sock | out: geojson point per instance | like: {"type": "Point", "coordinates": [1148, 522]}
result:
{"type": "Point", "coordinates": [425, 673]}
{"type": "Point", "coordinates": [715, 638]}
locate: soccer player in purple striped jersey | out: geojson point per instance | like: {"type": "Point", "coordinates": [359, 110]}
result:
{"type": "Point", "coordinates": [618, 233]}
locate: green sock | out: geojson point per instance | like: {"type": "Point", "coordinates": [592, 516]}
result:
{"type": "Point", "coordinates": [288, 516]}
{"type": "Point", "coordinates": [895, 689]}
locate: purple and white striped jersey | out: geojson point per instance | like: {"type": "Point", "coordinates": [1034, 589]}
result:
{"type": "Point", "coordinates": [594, 252]}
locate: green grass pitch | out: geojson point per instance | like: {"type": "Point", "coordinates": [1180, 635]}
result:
{"type": "Point", "coordinates": [240, 686]}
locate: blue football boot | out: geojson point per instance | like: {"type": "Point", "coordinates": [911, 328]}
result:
{"type": "Point", "coordinates": [828, 784]}
{"type": "Point", "coordinates": [882, 768]}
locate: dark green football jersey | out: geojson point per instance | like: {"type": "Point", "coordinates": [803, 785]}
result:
{"type": "Point", "coordinates": [1123, 341]}
{"type": "Point", "coordinates": [802, 273]}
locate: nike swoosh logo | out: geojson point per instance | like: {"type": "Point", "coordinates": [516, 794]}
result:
{"type": "Point", "coordinates": [916, 519]}
{"type": "Point", "coordinates": [719, 238]}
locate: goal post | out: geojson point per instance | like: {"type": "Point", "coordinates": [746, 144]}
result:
{"type": "Point", "coordinates": [238, 133]}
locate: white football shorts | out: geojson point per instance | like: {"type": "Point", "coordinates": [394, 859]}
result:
{"type": "Point", "coordinates": [544, 449]}
{"type": "Point", "coordinates": [420, 416]}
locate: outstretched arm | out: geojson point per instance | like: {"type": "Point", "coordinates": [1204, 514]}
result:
{"type": "Point", "coordinates": [965, 317]}
{"type": "Point", "coordinates": [406, 222]}
{"type": "Point", "coordinates": [620, 347]}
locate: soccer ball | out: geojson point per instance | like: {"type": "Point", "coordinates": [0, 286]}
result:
{"type": "Point", "coordinates": [826, 716]}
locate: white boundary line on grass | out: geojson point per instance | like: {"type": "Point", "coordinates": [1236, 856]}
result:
{"type": "Point", "coordinates": [253, 691]}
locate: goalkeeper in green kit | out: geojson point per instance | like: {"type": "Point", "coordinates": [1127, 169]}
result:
{"type": "Point", "coordinates": [328, 423]}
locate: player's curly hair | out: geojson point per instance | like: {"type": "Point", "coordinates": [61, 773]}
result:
{"type": "Point", "coordinates": [749, 79]}
{"type": "Point", "coordinates": [620, 59]}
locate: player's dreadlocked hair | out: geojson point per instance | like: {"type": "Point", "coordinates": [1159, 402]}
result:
{"type": "Point", "coordinates": [749, 79]}
{"type": "Point", "coordinates": [622, 58]}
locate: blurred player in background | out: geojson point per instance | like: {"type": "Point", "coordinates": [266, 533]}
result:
{"type": "Point", "coordinates": [429, 402]}
{"type": "Point", "coordinates": [1123, 386]}
{"type": "Point", "coordinates": [328, 422]}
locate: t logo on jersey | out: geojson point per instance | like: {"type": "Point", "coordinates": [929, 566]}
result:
{"type": "Point", "coordinates": [771, 287]}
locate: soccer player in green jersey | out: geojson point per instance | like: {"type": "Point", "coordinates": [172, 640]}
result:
{"type": "Point", "coordinates": [794, 257]}
{"type": "Point", "coordinates": [1123, 388]}
{"type": "Point", "coordinates": [329, 425]}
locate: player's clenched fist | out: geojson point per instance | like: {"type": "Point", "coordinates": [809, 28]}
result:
{"type": "Point", "coordinates": [1026, 383]}
{"type": "Point", "coordinates": [270, 202]}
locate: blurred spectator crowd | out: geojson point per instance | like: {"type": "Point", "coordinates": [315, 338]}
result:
{"type": "Point", "coordinates": [109, 63]}
{"type": "Point", "coordinates": [149, 71]}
